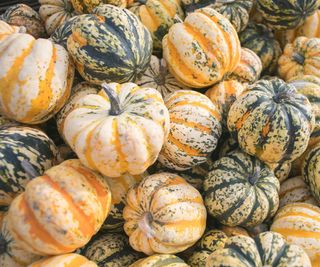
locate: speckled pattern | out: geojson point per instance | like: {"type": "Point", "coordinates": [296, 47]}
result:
{"type": "Point", "coordinates": [272, 121]}
{"type": "Point", "coordinates": [164, 214]}
{"type": "Point", "coordinates": [281, 170]}
{"type": "Point", "coordinates": [65, 260]}
{"type": "Point", "coordinates": [111, 45]}
{"type": "Point", "coordinates": [161, 260]}
{"type": "Point", "coordinates": [191, 5]}
{"type": "Point", "coordinates": [87, 6]}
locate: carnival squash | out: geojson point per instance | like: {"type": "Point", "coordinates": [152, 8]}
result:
{"type": "Point", "coordinates": [160, 260]}
{"type": "Point", "coordinates": [61, 34]}
{"type": "Point", "coordinates": [66, 260]}
{"type": "Point", "coordinates": [6, 29]}
{"type": "Point", "coordinates": [87, 6]}
{"type": "Point", "coordinates": [191, 5]}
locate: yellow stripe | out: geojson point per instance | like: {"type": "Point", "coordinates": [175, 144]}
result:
{"type": "Point", "coordinates": [190, 124]}
{"type": "Point", "coordinates": [296, 233]}
{"type": "Point", "coordinates": [117, 145]}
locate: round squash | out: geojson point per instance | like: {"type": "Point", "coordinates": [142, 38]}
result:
{"type": "Point", "coordinates": [164, 214]}
{"type": "Point", "coordinates": [61, 210]}
{"type": "Point", "coordinates": [83, 7]}
{"type": "Point", "coordinates": [299, 224]}
{"type": "Point", "coordinates": [272, 121]}
{"type": "Point", "coordinates": [281, 170]}
{"type": "Point", "coordinates": [300, 58]}
{"type": "Point", "coordinates": [266, 249]}
{"type": "Point", "coordinates": [111, 45]}
{"type": "Point", "coordinates": [202, 49]}
{"type": "Point", "coordinates": [194, 130]}
{"type": "Point", "coordinates": [129, 122]}
{"type": "Point", "coordinates": [261, 40]}
{"type": "Point", "coordinates": [6, 29]}
{"type": "Point", "coordinates": [286, 14]}
{"type": "Point", "coordinates": [161, 260]}
{"type": "Point", "coordinates": [69, 260]}
{"type": "Point", "coordinates": [23, 15]}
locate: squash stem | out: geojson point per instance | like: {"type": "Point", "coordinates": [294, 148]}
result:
{"type": "Point", "coordinates": [144, 225]}
{"type": "Point", "coordinates": [114, 100]}
{"type": "Point", "coordinates": [29, 169]}
{"type": "Point", "coordinates": [3, 245]}
{"type": "Point", "coordinates": [255, 176]}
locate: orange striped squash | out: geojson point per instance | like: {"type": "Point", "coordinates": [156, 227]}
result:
{"type": "Point", "coordinates": [67, 260]}
{"type": "Point", "coordinates": [35, 78]}
{"type": "Point", "coordinates": [164, 214]}
{"type": "Point", "coordinates": [6, 29]}
{"type": "Point", "coordinates": [202, 49]}
{"type": "Point", "coordinates": [61, 210]}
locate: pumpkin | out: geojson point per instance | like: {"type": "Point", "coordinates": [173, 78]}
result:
{"type": "Point", "coordinates": [72, 260]}
{"type": "Point", "coordinates": [261, 40]}
{"type": "Point", "coordinates": [299, 224]}
{"type": "Point", "coordinates": [267, 249]}
{"type": "Point", "coordinates": [82, 7]}
{"type": "Point", "coordinates": [286, 14]}
{"type": "Point", "coordinates": [164, 214]}
{"type": "Point", "coordinates": [202, 49]}
{"type": "Point", "coordinates": [61, 210]}
{"type": "Point", "coordinates": [281, 170]}
{"type": "Point", "coordinates": [235, 11]}
{"type": "Point", "coordinates": [158, 77]}
{"type": "Point", "coordinates": [249, 68]}
{"type": "Point", "coordinates": [61, 34]}
{"type": "Point", "coordinates": [23, 15]}
{"type": "Point", "coordinates": [295, 190]}
{"type": "Point", "coordinates": [272, 121]}
{"type": "Point", "coordinates": [6, 29]}
{"type": "Point", "coordinates": [110, 249]}
{"type": "Point", "coordinates": [128, 121]}
{"type": "Point", "coordinates": [241, 190]}
{"type": "Point", "coordinates": [300, 58]}
{"type": "Point", "coordinates": [161, 260]}
{"type": "Point", "coordinates": [54, 13]}
{"type": "Point", "coordinates": [111, 45]}
{"type": "Point", "coordinates": [158, 16]}
{"type": "Point", "coordinates": [194, 130]}
{"type": "Point", "coordinates": [35, 78]}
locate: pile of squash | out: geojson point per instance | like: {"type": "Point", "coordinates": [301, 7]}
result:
{"type": "Point", "coordinates": [160, 133]}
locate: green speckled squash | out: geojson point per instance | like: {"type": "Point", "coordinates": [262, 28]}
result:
{"type": "Point", "coordinates": [261, 40]}
{"type": "Point", "coordinates": [281, 170]}
{"type": "Point", "coordinates": [272, 121]}
{"type": "Point", "coordinates": [111, 45]}
{"type": "Point", "coordinates": [241, 190]}
{"type": "Point", "coordinates": [286, 14]}
{"type": "Point", "coordinates": [191, 5]}
{"type": "Point", "coordinates": [87, 6]}
{"type": "Point", "coordinates": [160, 260]}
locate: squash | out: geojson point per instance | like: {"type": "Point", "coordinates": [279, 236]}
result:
{"type": "Point", "coordinates": [128, 121]}
{"type": "Point", "coordinates": [61, 210]}
{"type": "Point", "coordinates": [72, 260]}
{"type": "Point", "coordinates": [61, 34]}
{"type": "Point", "coordinates": [111, 45]}
{"type": "Point", "coordinates": [110, 249]}
{"type": "Point", "coordinates": [54, 13]}
{"type": "Point", "coordinates": [295, 190]}
{"type": "Point", "coordinates": [202, 49]}
{"type": "Point", "coordinates": [158, 77]}
{"type": "Point", "coordinates": [6, 29]}
{"type": "Point", "coordinates": [4, 120]}
{"type": "Point", "coordinates": [158, 16]}
{"type": "Point", "coordinates": [249, 68]}
{"type": "Point", "coordinates": [272, 121]}
{"type": "Point", "coordinates": [160, 260]}
{"type": "Point", "coordinates": [286, 14]}
{"type": "Point", "coordinates": [300, 58]}
{"type": "Point", "coordinates": [194, 130]}
{"type": "Point", "coordinates": [235, 11]}
{"type": "Point", "coordinates": [82, 7]}
{"type": "Point", "coordinates": [35, 78]}
{"type": "Point", "coordinates": [23, 15]}
{"type": "Point", "coordinates": [241, 190]}
{"type": "Point", "coordinates": [281, 170]}
{"type": "Point", "coordinates": [261, 40]}
{"type": "Point", "coordinates": [191, 5]}
{"type": "Point", "coordinates": [164, 214]}
{"type": "Point", "coordinates": [299, 224]}
{"type": "Point", "coordinates": [5, 200]}
{"type": "Point", "coordinates": [266, 249]}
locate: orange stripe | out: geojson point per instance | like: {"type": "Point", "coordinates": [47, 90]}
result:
{"type": "Point", "coordinates": [180, 94]}
{"type": "Point", "coordinates": [117, 145]}
{"type": "Point", "coordinates": [293, 213]}
{"type": "Point", "coordinates": [242, 120]}
{"type": "Point", "coordinates": [149, 19]}
{"type": "Point", "coordinates": [183, 225]}
{"type": "Point", "coordinates": [296, 233]}
{"type": "Point", "coordinates": [190, 124]}
{"type": "Point", "coordinates": [185, 148]}
{"type": "Point", "coordinates": [77, 38]}
{"type": "Point", "coordinates": [265, 129]}
{"type": "Point", "coordinates": [308, 206]}
{"type": "Point", "coordinates": [88, 150]}
{"type": "Point", "coordinates": [171, 10]}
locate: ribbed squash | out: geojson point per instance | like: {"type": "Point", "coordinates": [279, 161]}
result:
{"type": "Point", "coordinates": [272, 121]}
{"type": "Point", "coordinates": [164, 214]}
{"type": "Point", "coordinates": [202, 49]}
{"type": "Point", "coordinates": [161, 260]}
{"type": "Point", "coordinates": [261, 40]}
{"type": "Point", "coordinates": [158, 16]}
{"type": "Point", "coordinates": [241, 190]}
{"type": "Point", "coordinates": [23, 15]}
{"type": "Point", "coordinates": [266, 249]}
{"type": "Point", "coordinates": [299, 224]}
{"type": "Point", "coordinates": [61, 210]}
{"type": "Point", "coordinates": [300, 58]}
{"type": "Point", "coordinates": [66, 260]}
{"type": "Point", "coordinates": [110, 249]}
{"type": "Point", "coordinates": [281, 170]}
{"type": "Point", "coordinates": [194, 130]}
{"type": "Point", "coordinates": [286, 14]}
{"type": "Point", "coordinates": [61, 34]}
{"type": "Point", "coordinates": [54, 13]}
{"type": "Point", "coordinates": [191, 5]}
{"type": "Point", "coordinates": [87, 6]}
{"type": "Point", "coordinates": [6, 29]}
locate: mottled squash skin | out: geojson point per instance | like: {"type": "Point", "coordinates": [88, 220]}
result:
{"type": "Point", "coordinates": [72, 260]}
{"type": "Point", "coordinates": [161, 260]}
{"type": "Point", "coordinates": [191, 5]}
{"type": "Point", "coordinates": [87, 6]}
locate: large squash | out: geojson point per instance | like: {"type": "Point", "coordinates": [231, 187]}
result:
{"type": "Point", "coordinates": [272, 121]}
{"type": "Point", "coordinates": [202, 49]}
{"type": "Point", "coordinates": [66, 260]}
{"type": "Point", "coordinates": [194, 130]}
{"type": "Point", "coordinates": [164, 214]}
{"type": "Point", "coordinates": [160, 260]}
{"type": "Point", "coordinates": [87, 6]}
{"type": "Point", "coordinates": [128, 122]}
{"type": "Point", "coordinates": [111, 45]}
{"type": "Point", "coordinates": [6, 29]}
{"type": "Point", "coordinates": [61, 210]}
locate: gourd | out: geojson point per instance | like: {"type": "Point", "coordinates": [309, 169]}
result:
{"type": "Point", "coordinates": [6, 29]}
{"type": "Point", "coordinates": [166, 216]}
{"type": "Point", "coordinates": [82, 7]}
{"type": "Point", "coordinates": [191, 5]}
{"type": "Point", "coordinates": [61, 34]}
{"type": "Point", "coordinates": [281, 170]}
{"type": "Point", "coordinates": [160, 260]}
{"type": "Point", "coordinates": [128, 121]}
{"type": "Point", "coordinates": [72, 260]}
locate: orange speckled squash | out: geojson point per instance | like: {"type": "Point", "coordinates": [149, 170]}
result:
{"type": "Point", "coordinates": [67, 260]}
{"type": "Point", "coordinates": [202, 49]}
{"type": "Point", "coordinates": [61, 210]}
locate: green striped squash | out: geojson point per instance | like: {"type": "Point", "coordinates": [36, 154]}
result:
{"type": "Point", "coordinates": [111, 45]}
{"type": "Point", "coordinates": [160, 260]}
{"type": "Point", "coordinates": [241, 190]}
